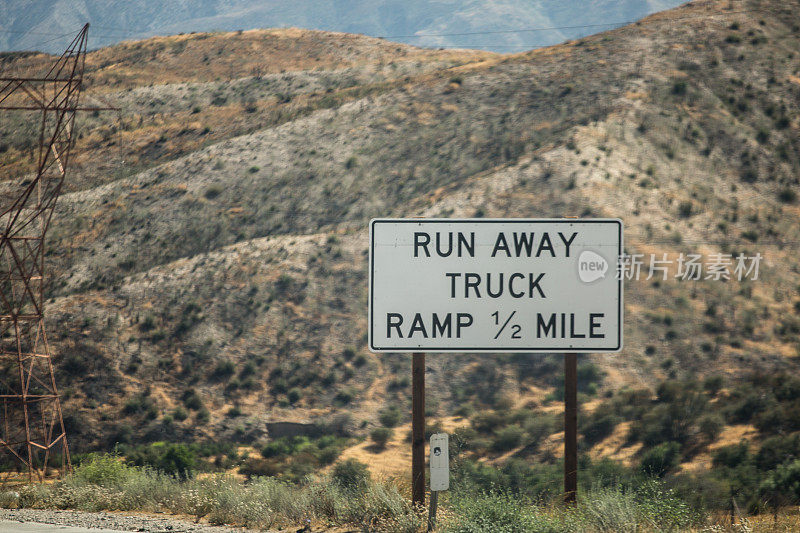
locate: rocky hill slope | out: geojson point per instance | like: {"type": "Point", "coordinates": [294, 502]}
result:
{"type": "Point", "coordinates": [209, 257]}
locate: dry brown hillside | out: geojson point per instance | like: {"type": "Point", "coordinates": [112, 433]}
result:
{"type": "Point", "coordinates": [212, 244]}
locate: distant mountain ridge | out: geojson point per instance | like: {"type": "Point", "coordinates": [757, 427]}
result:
{"type": "Point", "coordinates": [26, 25]}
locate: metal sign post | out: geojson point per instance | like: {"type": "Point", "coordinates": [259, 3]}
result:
{"type": "Point", "coordinates": [495, 285]}
{"type": "Point", "coordinates": [418, 429]}
{"type": "Point", "coordinates": [570, 427]}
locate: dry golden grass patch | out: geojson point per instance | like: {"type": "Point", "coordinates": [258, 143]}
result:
{"type": "Point", "coordinates": [615, 446]}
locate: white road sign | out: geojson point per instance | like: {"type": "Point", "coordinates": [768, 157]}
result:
{"type": "Point", "coordinates": [440, 462]}
{"type": "Point", "coordinates": [500, 285]}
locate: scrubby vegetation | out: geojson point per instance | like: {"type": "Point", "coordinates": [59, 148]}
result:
{"type": "Point", "coordinates": [349, 497]}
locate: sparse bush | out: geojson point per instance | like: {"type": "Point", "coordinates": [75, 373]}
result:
{"type": "Point", "coordinates": [713, 384]}
{"type": "Point", "coordinates": [787, 196]}
{"type": "Point", "coordinates": [381, 436]}
{"type": "Point", "coordinates": [351, 475]}
{"type": "Point", "coordinates": [192, 400]}
{"type": "Point", "coordinates": [147, 324]}
{"type": "Point", "coordinates": [679, 88]}
{"type": "Point", "coordinates": [732, 456]}
{"type": "Point", "coordinates": [390, 416]}
{"type": "Point", "coordinates": [661, 459]}
{"type": "Point", "coordinates": [212, 192]}
{"type": "Point", "coordinates": [508, 438]}
{"type": "Point", "coordinates": [711, 426]}
{"type": "Point", "coordinates": [104, 469]}
{"type": "Point", "coordinates": [599, 427]}
{"type": "Point", "coordinates": [294, 395]}
{"type": "Point", "coordinates": [172, 459]}
{"type": "Point", "coordinates": [224, 369]}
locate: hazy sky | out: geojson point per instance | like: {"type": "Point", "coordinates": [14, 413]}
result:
{"type": "Point", "coordinates": [497, 25]}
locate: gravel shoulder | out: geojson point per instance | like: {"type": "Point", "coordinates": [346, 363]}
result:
{"type": "Point", "coordinates": [23, 520]}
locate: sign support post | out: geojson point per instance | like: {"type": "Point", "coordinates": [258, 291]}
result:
{"type": "Point", "coordinates": [432, 510]}
{"type": "Point", "coordinates": [418, 429]}
{"type": "Point", "coordinates": [570, 427]}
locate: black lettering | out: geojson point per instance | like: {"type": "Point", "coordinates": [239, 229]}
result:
{"type": "Point", "coordinates": [452, 276]}
{"type": "Point", "coordinates": [511, 285]}
{"type": "Point", "coordinates": [463, 320]}
{"type": "Point", "coordinates": [417, 325]}
{"type": "Point", "coordinates": [501, 244]}
{"type": "Point", "coordinates": [547, 246]}
{"type": "Point", "coordinates": [449, 244]}
{"type": "Point", "coordinates": [472, 284]}
{"type": "Point", "coordinates": [523, 240]}
{"type": "Point", "coordinates": [540, 324]}
{"type": "Point", "coordinates": [442, 328]}
{"type": "Point", "coordinates": [572, 334]}
{"type": "Point", "coordinates": [534, 284]}
{"type": "Point", "coordinates": [421, 240]}
{"type": "Point", "coordinates": [394, 320]}
{"type": "Point", "coordinates": [489, 286]}
{"type": "Point", "coordinates": [469, 246]}
{"type": "Point", "coordinates": [566, 242]}
{"type": "Point", "coordinates": [593, 325]}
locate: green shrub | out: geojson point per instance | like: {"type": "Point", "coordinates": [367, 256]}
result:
{"type": "Point", "coordinates": [778, 450]}
{"type": "Point", "coordinates": [661, 459]}
{"type": "Point", "coordinates": [224, 369]}
{"type": "Point", "coordinates": [497, 512]}
{"type": "Point", "coordinates": [176, 460]}
{"type": "Point", "coordinates": [212, 192]}
{"type": "Point", "coordinates": [732, 456]}
{"type": "Point", "coordinates": [787, 196]}
{"type": "Point", "coordinates": [685, 209]}
{"type": "Point", "coordinates": [147, 324]}
{"type": "Point", "coordinates": [782, 486]}
{"type": "Point", "coordinates": [507, 438]}
{"type": "Point", "coordinates": [104, 469]}
{"type": "Point", "coordinates": [711, 426]}
{"type": "Point", "coordinates": [381, 436]}
{"type": "Point", "coordinates": [679, 88]}
{"type": "Point", "coordinates": [390, 416]}
{"type": "Point", "coordinates": [294, 395]}
{"type": "Point", "coordinates": [599, 427]}
{"type": "Point", "coordinates": [192, 400]}
{"type": "Point", "coordinates": [351, 475]}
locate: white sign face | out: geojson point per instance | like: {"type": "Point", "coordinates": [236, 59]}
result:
{"type": "Point", "coordinates": [502, 285]}
{"type": "Point", "coordinates": [440, 462]}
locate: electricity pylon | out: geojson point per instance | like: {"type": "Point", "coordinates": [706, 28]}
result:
{"type": "Point", "coordinates": [31, 424]}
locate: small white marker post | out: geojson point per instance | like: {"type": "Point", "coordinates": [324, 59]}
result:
{"type": "Point", "coordinates": [440, 472]}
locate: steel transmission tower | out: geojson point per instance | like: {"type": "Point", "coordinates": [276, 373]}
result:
{"type": "Point", "coordinates": [31, 425]}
